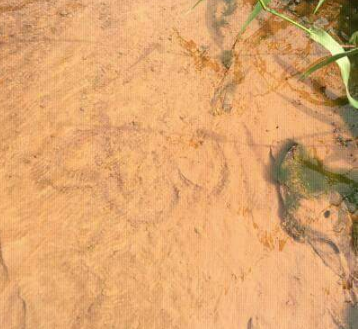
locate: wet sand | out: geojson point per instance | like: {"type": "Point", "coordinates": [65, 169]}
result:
{"type": "Point", "coordinates": [136, 185]}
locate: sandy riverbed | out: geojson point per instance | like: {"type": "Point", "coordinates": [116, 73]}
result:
{"type": "Point", "coordinates": [129, 197]}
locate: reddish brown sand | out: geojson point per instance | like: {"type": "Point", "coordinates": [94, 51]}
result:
{"type": "Point", "coordinates": [129, 198]}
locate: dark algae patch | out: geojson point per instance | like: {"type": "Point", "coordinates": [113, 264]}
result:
{"type": "Point", "coordinates": [227, 58]}
{"type": "Point", "coordinates": [303, 180]}
{"type": "Point", "coordinates": [229, 7]}
{"type": "Point", "coordinates": [217, 15]}
{"type": "Point", "coordinates": [355, 235]}
{"type": "Point", "coordinates": [301, 176]}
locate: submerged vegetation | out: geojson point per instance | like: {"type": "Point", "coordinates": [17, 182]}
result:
{"type": "Point", "coordinates": [320, 36]}
{"type": "Point", "coordinates": [344, 52]}
{"type": "Point", "coordinates": [302, 176]}
{"type": "Point", "coordinates": [306, 175]}
{"type": "Point", "coordinates": [299, 175]}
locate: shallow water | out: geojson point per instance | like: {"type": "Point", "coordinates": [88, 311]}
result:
{"type": "Point", "coordinates": [136, 167]}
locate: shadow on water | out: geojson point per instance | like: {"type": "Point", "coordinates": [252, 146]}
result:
{"type": "Point", "coordinates": [352, 317]}
{"type": "Point", "coordinates": [348, 24]}
{"type": "Point", "coordinates": [345, 27]}
{"type": "Point", "coordinates": [350, 118]}
{"type": "Point", "coordinates": [300, 176]}
{"type": "Point", "coordinates": [217, 14]}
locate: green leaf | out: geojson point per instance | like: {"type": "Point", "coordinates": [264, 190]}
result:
{"type": "Point", "coordinates": [354, 39]}
{"type": "Point", "coordinates": [319, 36]}
{"type": "Point", "coordinates": [257, 9]}
{"type": "Point", "coordinates": [325, 40]}
{"type": "Point", "coordinates": [321, 2]}
{"type": "Point", "coordinates": [326, 61]}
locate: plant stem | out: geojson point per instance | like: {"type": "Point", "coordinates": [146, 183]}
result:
{"type": "Point", "coordinates": [274, 12]}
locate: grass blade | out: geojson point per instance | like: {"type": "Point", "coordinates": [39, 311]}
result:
{"type": "Point", "coordinates": [194, 6]}
{"type": "Point", "coordinates": [321, 2]}
{"type": "Point", "coordinates": [326, 61]}
{"type": "Point", "coordinates": [321, 37]}
{"type": "Point", "coordinates": [353, 40]}
{"type": "Point", "coordinates": [325, 40]}
{"type": "Point", "coordinates": [257, 9]}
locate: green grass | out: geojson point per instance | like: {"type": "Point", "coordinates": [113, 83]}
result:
{"type": "Point", "coordinates": [338, 54]}
{"type": "Point", "coordinates": [320, 3]}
